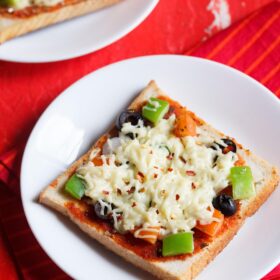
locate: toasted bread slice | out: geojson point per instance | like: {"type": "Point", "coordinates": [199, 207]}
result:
{"type": "Point", "coordinates": [12, 25]}
{"type": "Point", "coordinates": [266, 178]}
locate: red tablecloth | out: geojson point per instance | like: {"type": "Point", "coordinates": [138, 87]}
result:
{"type": "Point", "coordinates": [251, 45]}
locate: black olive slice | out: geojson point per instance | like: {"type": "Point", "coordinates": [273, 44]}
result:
{"type": "Point", "coordinates": [231, 146]}
{"type": "Point", "coordinates": [225, 204]}
{"type": "Point", "coordinates": [128, 116]}
{"type": "Point", "coordinates": [103, 216]}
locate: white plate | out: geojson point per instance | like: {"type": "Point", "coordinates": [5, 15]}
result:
{"type": "Point", "coordinates": [231, 101]}
{"type": "Point", "coordinates": [78, 36]}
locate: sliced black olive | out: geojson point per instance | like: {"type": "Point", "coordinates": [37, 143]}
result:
{"type": "Point", "coordinates": [225, 204]}
{"type": "Point", "coordinates": [131, 135]}
{"type": "Point", "coordinates": [128, 116]}
{"type": "Point", "coordinates": [104, 216]}
{"type": "Point", "coordinates": [231, 146]}
{"type": "Point", "coordinates": [213, 147]}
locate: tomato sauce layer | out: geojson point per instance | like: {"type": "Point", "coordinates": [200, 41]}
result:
{"type": "Point", "coordinates": [85, 213]}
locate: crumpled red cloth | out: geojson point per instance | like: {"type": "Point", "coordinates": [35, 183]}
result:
{"type": "Point", "coordinates": [251, 45]}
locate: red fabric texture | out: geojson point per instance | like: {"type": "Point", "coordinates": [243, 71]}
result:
{"type": "Point", "coordinates": [173, 27]}
{"type": "Point", "coordinates": [251, 45]}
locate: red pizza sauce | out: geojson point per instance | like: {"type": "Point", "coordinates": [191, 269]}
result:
{"type": "Point", "coordinates": [85, 213]}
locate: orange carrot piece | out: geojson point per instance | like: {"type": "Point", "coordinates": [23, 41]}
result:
{"type": "Point", "coordinates": [97, 161]}
{"type": "Point", "coordinates": [212, 228]}
{"type": "Point", "coordinates": [240, 161]}
{"type": "Point", "coordinates": [184, 124]}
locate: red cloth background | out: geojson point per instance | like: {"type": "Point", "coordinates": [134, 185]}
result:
{"type": "Point", "coordinates": [251, 45]}
{"type": "Point", "coordinates": [173, 27]}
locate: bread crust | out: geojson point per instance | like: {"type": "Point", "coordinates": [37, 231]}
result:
{"type": "Point", "coordinates": [175, 269]}
{"type": "Point", "coordinates": [11, 27]}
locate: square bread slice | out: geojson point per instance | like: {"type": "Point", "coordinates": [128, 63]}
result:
{"type": "Point", "coordinates": [27, 20]}
{"type": "Point", "coordinates": [188, 268]}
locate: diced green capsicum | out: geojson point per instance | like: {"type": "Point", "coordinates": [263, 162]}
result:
{"type": "Point", "coordinates": [155, 109]}
{"type": "Point", "coordinates": [75, 187]}
{"type": "Point", "coordinates": [10, 3]}
{"type": "Point", "coordinates": [242, 182]}
{"type": "Point", "coordinates": [177, 244]}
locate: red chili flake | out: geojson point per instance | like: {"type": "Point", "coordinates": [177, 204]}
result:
{"type": "Point", "coordinates": [155, 175]}
{"type": "Point", "coordinates": [119, 218]}
{"type": "Point", "coordinates": [190, 173]}
{"type": "Point", "coordinates": [193, 186]}
{"type": "Point", "coordinates": [142, 190]}
{"type": "Point", "coordinates": [170, 157]}
{"type": "Point", "coordinates": [132, 190]}
{"type": "Point", "coordinates": [105, 192]}
{"type": "Point", "coordinates": [182, 159]}
{"type": "Point", "coordinates": [119, 192]}
{"type": "Point", "coordinates": [170, 169]}
{"type": "Point", "coordinates": [133, 204]}
{"type": "Point", "coordinates": [155, 167]}
{"type": "Point", "coordinates": [177, 196]}
{"type": "Point", "coordinates": [140, 177]}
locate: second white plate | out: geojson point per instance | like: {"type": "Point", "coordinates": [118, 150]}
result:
{"type": "Point", "coordinates": [226, 98]}
{"type": "Point", "coordinates": [78, 36]}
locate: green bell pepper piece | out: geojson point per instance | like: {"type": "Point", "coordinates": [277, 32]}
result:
{"type": "Point", "coordinates": [155, 109]}
{"type": "Point", "coordinates": [176, 244]}
{"type": "Point", "coordinates": [75, 187]}
{"type": "Point", "coordinates": [10, 3]}
{"type": "Point", "coordinates": [242, 182]}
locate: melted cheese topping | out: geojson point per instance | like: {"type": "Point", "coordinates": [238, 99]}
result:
{"type": "Point", "coordinates": [158, 179]}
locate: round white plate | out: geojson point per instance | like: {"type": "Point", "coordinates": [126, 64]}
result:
{"type": "Point", "coordinates": [224, 97]}
{"type": "Point", "coordinates": [78, 36]}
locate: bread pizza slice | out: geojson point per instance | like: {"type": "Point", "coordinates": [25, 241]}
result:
{"type": "Point", "coordinates": [163, 189]}
{"type": "Point", "coordinates": [18, 17]}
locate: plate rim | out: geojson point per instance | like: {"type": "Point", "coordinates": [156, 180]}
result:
{"type": "Point", "coordinates": [269, 93]}
{"type": "Point", "coordinates": [87, 50]}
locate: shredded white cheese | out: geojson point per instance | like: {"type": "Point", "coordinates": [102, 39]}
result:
{"type": "Point", "coordinates": [158, 179]}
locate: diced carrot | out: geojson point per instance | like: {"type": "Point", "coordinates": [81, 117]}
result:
{"type": "Point", "coordinates": [212, 228]}
{"type": "Point", "coordinates": [240, 161]}
{"type": "Point", "coordinates": [97, 161]}
{"type": "Point", "coordinates": [149, 234]}
{"type": "Point", "coordinates": [184, 124]}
